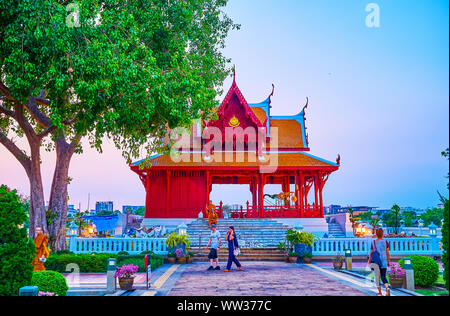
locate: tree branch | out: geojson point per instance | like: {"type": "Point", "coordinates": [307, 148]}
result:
{"type": "Point", "coordinates": [52, 128]}
{"type": "Point", "coordinates": [7, 112]}
{"type": "Point", "coordinates": [19, 154]}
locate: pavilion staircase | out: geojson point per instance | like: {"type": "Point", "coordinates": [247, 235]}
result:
{"type": "Point", "coordinates": [335, 231]}
{"type": "Point", "coordinates": [258, 238]}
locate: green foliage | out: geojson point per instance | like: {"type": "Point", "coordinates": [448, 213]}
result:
{"type": "Point", "coordinates": [293, 254]}
{"type": "Point", "coordinates": [307, 255]}
{"type": "Point", "coordinates": [50, 281]}
{"type": "Point", "coordinates": [300, 237]}
{"type": "Point", "coordinates": [446, 154]}
{"type": "Point", "coordinates": [123, 253]}
{"type": "Point", "coordinates": [426, 270]}
{"type": "Point", "coordinates": [367, 216]}
{"type": "Point", "coordinates": [88, 263]}
{"type": "Point", "coordinates": [98, 263]}
{"type": "Point", "coordinates": [126, 70]}
{"type": "Point", "coordinates": [139, 260]}
{"type": "Point", "coordinates": [445, 233]}
{"type": "Point", "coordinates": [434, 215]}
{"type": "Point", "coordinates": [171, 255]}
{"type": "Point", "coordinates": [17, 251]}
{"type": "Point", "coordinates": [140, 211]}
{"type": "Point", "coordinates": [281, 246]}
{"type": "Point", "coordinates": [174, 240]}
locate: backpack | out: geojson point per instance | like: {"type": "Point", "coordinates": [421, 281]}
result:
{"type": "Point", "coordinates": [375, 257]}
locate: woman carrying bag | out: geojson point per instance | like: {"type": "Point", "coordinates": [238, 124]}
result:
{"type": "Point", "coordinates": [379, 260]}
{"type": "Point", "coordinates": [233, 249]}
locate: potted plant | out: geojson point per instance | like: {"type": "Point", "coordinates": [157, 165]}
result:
{"type": "Point", "coordinates": [190, 258]}
{"type": "Point", "coordinates": [175, 241]}
{"type": "Point", "coordinates": [396, 275]}
{"type": "Point", "coordinates": [180, 256]}
{"type": "Point", "coordinates": [293, 256]}
{"type": "Point", "coordinates": [172, 257]}
{"type": "Point", "coordinates": [307, 257]}
{"type": "Point", "coordinates": [301, 241]}
{"type": "Point", "coordinates": [125, 274]}
{"type": "Point", "coordinates": [338, 262]}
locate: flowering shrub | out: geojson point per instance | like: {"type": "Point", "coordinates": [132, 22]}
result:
{"type": "Point", "coordinates": [180, 253]}
{"type": "Point", "coordinates": [41, 293]}
{"type": "Point", "coordinates": [126, 271]}
{"type": "Point", "coordinates": [396, 271]}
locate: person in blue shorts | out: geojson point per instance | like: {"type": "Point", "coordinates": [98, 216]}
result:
{"type": "Point", "coordinates": [214, 246]}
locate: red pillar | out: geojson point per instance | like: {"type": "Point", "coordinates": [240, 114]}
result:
{"type": "Point", "coordinates": [261, 195]}
{"type": "Point", "coordinates": [168, 193]}
{"type": "Point", "coordinates": [147, 194]}
{"type": "Point", "coordinates": [316, 189]}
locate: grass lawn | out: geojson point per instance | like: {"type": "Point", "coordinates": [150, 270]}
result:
{"type": "Point", "coordinates": [432, 292]}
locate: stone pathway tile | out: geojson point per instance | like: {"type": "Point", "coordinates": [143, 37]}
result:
{"type": "Point", "coordinates": [260, 279]}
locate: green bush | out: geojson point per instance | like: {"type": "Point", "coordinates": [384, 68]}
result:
{"type": "Point", "coordinates": [300, 237]}
{"type": "Point", "coordinates": [445, 233]}
{"type": "Point", "coordinates": [426, 270]}
{"type": "Point", "coordinates": [50, 281]}
{"type": "Point", "coordinates": [17, 251]}
{"type": "Point", "coordinates": [98, 263]}
{"type": "Point", "coordinates": [139, 260]}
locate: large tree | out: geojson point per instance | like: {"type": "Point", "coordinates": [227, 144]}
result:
{"type": "Point", "coordinates": [94, 69]}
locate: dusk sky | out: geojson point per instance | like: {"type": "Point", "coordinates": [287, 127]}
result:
{"type": "Point", "coordinates": [378, 97]}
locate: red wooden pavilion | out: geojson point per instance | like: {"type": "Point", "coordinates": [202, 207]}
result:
{"type": "Point", "coordinates": [279, 154]}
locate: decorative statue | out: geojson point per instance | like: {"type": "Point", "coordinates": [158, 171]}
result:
{"type": "Point", "coordinates": [42, 251]}
{"type": "Point", "coordinates": [211, 213]}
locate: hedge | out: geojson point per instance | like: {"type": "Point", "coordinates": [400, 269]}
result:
{"type": "Point", "coordinates": [97, 263]}
{"type": "Point", "coordinates": [445, 258]}
{"type": "Point", "coordinates": [426, 270]}
{"type": "Point", "coordinates": [50, 281]}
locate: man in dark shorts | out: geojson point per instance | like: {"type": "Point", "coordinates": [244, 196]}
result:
{"type": "Point", "coordinates": [214, 243]}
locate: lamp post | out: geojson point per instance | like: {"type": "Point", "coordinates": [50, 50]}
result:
{"type": "Point", "coordinates": [409, 271]}
{"type": "Point", "coordinates": [73, 233]}
{"type": "Point", "coordinates": [348, 259]}
{"type": "Point", "coordinates": [110, 279]}
{"type": "Point", "coordinates": [432, 230]}
{"type": "Point", "coordinates": [420, 226]}
{"type": "Point", "coordinates": [298, 227]}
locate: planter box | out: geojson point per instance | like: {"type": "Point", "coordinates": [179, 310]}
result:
{"type": "Point", "coordinates": [396, 283]}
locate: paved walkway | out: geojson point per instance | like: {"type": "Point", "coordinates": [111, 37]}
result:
{"type": "Point", "coordinates": [263, 279]}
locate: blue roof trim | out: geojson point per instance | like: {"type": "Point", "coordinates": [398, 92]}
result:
{"type": "Point", "coordinates": [321, 159]}
{"type": "Point", "coordinates": [137, 163]}
{"type": "Point", "coordinates": [265, 105]}
{"type": "Point", "coordinates": [300, 118]}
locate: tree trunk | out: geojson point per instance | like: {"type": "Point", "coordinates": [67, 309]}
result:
{"type": "Point", "coordinates": [59, 196]}
{"type": "Point", "coordinates": [37, 202]}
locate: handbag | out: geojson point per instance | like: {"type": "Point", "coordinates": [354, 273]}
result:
{"type": "Point", "coordinates": [375, 257]}
{"type": "Point", "coordinates": [237, 252]}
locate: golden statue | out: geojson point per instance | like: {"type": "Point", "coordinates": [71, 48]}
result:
{"type": "Point", "coordinates": [211, 213]}
{"type": "Point", "coordinates": [42, 251]}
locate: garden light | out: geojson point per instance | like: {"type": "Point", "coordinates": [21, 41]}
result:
{"type": "Point", "coordinates": [182, 229]}
{"type": "Point", "coordinates": [73, 229]}
{"type": "Point", "coordinates": [432, 230]}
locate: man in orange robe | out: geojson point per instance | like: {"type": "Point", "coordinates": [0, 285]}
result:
{"type": "Point", "coordinates": [42, 251]}
{"type": "Point", "coordinates": [211, 214]}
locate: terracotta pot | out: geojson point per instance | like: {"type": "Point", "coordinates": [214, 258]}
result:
{"type": "Point", "coordinates": [396, 283]}
{"type": "Point", "coordinates": [286, 259]}
{"type": "Point", "coordinates": [190, 260]}
{"type": "Point", "coordinates": [126, 284]}
{"type": "Point", "coordinates": [307, 260]}
{"type": "Point", "coordinates": [172, 260]}
{"type": "Point", "coordinates": [293, 259]}
{"type": "Point", "coordinates": [181, 260]}
{"type": "Point", "coordinates": [338, 265]}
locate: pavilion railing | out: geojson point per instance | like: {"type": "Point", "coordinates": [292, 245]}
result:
{"type": "Point", "coordinates": [116, 245]}
{"type": "Point", "coordinates": [361, 246]}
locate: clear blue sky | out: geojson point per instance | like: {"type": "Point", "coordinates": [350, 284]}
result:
{"type": "Point", "coordinates": [378, 96]}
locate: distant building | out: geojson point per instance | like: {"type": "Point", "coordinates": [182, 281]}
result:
{"type": "Point", "coordinates": [357, 210]}
{"type": "Point", "coordinates": [133, 208]}
{"type": "Point", "coordinates": [441, 206]}
{"type": "Point", "coordinates": [104, 206]}
{"type": "Point", "coordinates": [412, 209]}
{"type": "Point", "coordinates": [332, 209]}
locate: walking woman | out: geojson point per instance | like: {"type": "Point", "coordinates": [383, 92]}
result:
{"type": "Point", "coordinates": [379, 260]}
{"type": "Point", "coordinates": [233, 248]}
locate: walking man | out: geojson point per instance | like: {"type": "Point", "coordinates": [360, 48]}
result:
{"type": "Point", "coordinates": [214, 243]}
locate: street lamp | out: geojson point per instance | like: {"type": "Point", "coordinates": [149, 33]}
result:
{"type": "Point", "coordinates": [182, 229]}
{"type": "Point", "coordinates": [420, 226]}
{"type": "Point", "coordinates": [73, 229]}
{"type": "Point", "coordinates": [298, 227]}
{"type": "Point", "coordinates": [432, 232]}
